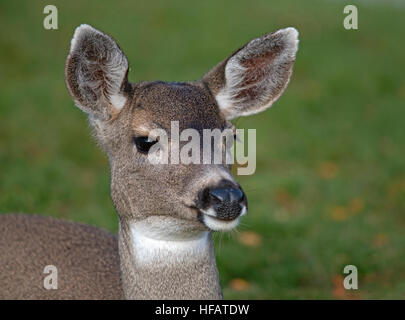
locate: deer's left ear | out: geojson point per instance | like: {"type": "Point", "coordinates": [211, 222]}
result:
{"type": "Point", "coordinates": [255, 76]}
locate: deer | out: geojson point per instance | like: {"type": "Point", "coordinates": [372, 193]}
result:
{"type": "Point", "coordinates": [166, 212]}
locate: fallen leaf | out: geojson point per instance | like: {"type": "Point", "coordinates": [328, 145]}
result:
{"type": "Point", "coordinates": [328, 170]}
{"type": "Point", "coordinates": [380, 240]}
{"type": "Point", "coordinates": [284, 199]}
{"type": "Point", "coordinates": [338, 291]}
{"type": "Point", "coordinates": [239, 284]}
{"type": "Point", "coordinates": [249, 238]}
{"type": "Point", "coordinates": [339, 213]}
{"type": "Point", "coordinates": [356, 205]}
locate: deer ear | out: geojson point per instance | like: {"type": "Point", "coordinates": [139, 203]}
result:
{"type": "Point", "coordinates": [255, 76]}
{"type": "Point", "coordinates": [96, 73]}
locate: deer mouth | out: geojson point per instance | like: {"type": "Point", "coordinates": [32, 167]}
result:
{"type": "Point", "coordinates": [220, 222]}
{"type": "Point", "coordinates": [219, 218]}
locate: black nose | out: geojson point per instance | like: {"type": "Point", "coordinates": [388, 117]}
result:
{"type": "Point", "coordinates": [226, 200]}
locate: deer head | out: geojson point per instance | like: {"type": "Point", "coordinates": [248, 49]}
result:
{"type": "Point", "coordinates": [186, 196]}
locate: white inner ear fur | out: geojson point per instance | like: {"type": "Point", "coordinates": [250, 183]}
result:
{"type": "Point", "coordinates": [234, 74]}
{"type": "Point", "coordinates": [115, 67]}
{"type": "Point", "coordinates": [118, 101]}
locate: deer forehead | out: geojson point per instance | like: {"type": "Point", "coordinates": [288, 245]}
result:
{"type": "Point", "coordinates": [157, 104]}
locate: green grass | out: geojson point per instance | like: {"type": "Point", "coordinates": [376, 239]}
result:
{"type": "Point", "coordinates": [329, 189]}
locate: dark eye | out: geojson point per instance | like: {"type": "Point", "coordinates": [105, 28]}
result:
{"type": "Point", "coordinates": [143, 144]}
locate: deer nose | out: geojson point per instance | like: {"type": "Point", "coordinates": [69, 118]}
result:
{"type": "Point", "coordinates": [228, 202]}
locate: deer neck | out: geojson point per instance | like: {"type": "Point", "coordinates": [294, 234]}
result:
{"type": "Point", "coordinates": [164, 263]}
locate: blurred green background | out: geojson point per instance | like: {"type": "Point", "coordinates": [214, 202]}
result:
{"type": "Point", "coordinates": [329, 189]}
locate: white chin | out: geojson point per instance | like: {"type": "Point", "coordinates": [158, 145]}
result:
{"type": "Point", "coordinates": [219, 225]}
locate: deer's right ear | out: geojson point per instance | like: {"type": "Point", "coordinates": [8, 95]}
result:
{"type": "Point", "coordinates": [96, 73]}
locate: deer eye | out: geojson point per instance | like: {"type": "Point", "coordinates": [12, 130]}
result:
{"type": "Point", "coordinates": [143, 144]}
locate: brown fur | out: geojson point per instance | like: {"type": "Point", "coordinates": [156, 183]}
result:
{"type": "Point", "coordinates": [86, 259]}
